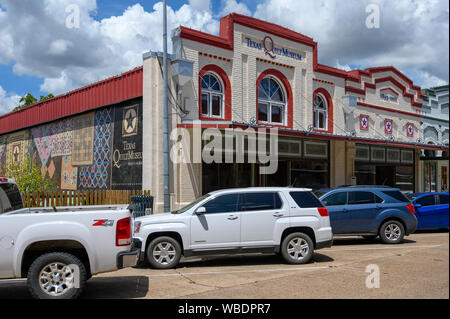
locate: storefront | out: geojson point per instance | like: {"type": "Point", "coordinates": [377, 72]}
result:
{"type": "Point", "coordinates": [301, 163]}
{"type": "Point", "coordinates": [379, 165]}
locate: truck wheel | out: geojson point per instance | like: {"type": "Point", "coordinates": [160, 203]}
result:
{"type": "Point", "coordinates": [164, 253]}
{"type": "Point", "coordinates": [54, 276]}
{"type": "Point", "coordinates": [392, 232]}
{"type": "Point", "coordinates": [297, 248]}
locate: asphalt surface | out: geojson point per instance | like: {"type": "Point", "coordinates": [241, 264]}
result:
{"type": "Point", "coordinates": [418, 268]}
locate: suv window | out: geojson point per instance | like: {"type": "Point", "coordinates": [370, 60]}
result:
{"type": "Point", "coordinates": [223, 204]}
{"type": "Point", "coordinates": [397, 195]}
{"type": "Point", "coordinates": [443, 199]}
{"type": "Point", "coordinates": [358, 198]}
{"type": "Point", "coordinates": [429, 200]}
{"type": "Point", "coordinates": [336, 199]}
{"type": "Point", "coordinates": [306, 199]}
{"type": "Point", "coordinates": [260, 201]}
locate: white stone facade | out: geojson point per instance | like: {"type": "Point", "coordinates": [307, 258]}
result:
{"type": "Point", "coordinates": [241, 56]}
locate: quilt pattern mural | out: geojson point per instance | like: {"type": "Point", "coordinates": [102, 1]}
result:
{"type": "Point", "coordinates": [98, 175]}
{"type": "Point", "coordinates": [68, 174]}
{"type": "Point", "coordinates": [62, 138]}
{"type": "Point", "coordinates": [83, 139]}
{"type": "Point", "coordinates": [42, 137]}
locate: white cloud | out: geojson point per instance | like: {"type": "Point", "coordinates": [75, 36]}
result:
{"type": "Point", "coordinates": [71, 58]}
{"type": "Point", "coordinates": [200, 5]}
{"type": "Point", "coordinates": [345, 67]}
{"type": "Point", "coordinates": [413, 35]}
{"type": "Point", "coordinates": [8, 101]}
{"type": "Point", "coordinates": [231, 6]}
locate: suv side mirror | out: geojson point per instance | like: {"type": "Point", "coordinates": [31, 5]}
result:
{"type": "Point", "coordinates": [200, 211]}
{"type": "Point", "coordinates": [417, 206]}
{"type": "Point", "coordinates": [324, 202]}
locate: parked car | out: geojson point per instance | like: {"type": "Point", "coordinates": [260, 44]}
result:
{"type": "Point", "coordinates": [53, 247]}
{"type": "Point", "coordinates": [431, 209]}
{"type": "Point", "coordinates": [289, 221]}
{"type": "Point", "coordinates": [370, 211]}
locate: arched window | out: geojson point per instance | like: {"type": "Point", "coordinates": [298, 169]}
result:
{"type": "Point", "coordinates": [271, 101]}
{"type": "Point", "coordinates": [212, 96]}
{"type": "Point", "coordinates": [320, 112]}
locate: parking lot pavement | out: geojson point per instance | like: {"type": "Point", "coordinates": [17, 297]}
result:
{"type": "Point", "coordinates": [418, 268]}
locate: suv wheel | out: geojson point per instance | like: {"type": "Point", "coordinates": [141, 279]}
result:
{"type": "Point", "coordinates": [53, 275]}
{"type": "Point", "coordinates": [392, 232]}
{"type": "Point", "coordinates": [297, 248]}
{"type": "Point", "coordinates": [164, 253]}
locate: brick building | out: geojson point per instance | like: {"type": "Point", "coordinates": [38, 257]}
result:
{"type": "Point", "coordinates": [334, 127]}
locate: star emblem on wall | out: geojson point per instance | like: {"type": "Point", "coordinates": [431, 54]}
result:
{"type": "Point", "coordinates": [130, 121]}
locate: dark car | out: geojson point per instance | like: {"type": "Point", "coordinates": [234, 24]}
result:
{"type": "Point", "coordinates": [370, 212]}
{"type": "Point", "coordinates": [431, 209]}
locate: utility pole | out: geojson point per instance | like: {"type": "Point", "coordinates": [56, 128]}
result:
{"type": "Point", "coordinates": [166, 116]}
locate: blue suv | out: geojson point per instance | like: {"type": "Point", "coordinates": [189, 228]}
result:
{"type": "Point", "coordinates": [370, 211]}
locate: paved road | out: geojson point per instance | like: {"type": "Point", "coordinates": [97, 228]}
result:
{"type": "Point", "coordinates": [418, 268]}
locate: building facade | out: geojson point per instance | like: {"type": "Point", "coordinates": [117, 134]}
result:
{"type": "Point", "coordinates": [435, 130]}
{"type": "Point", "coordinates": [333, 127]}
{"type": "Point", "coordinates": [88, 139]}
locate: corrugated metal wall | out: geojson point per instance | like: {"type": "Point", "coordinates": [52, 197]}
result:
{"type": "Point", "coordinates": [109, 91]}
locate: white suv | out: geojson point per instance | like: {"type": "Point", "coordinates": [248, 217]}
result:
{"type": "Point", "coordinates": [290, 221]}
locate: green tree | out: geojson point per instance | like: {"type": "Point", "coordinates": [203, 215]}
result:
{"type": "Point", "coordinates": [27, 175]}
{"type": "Point", "coordinates": [29, 99]}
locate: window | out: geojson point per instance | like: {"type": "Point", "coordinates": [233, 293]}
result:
{"type": "Point", "coordinates": [336, 199]}
{"type": "Point", "coordinates": [212, 96]}
{"type": "Point", "coordinates": [427, 200]}
{"type": "Point", "coordinates": [271, 102]}
{"type": "Point", "coordinates": [306, 199]}
{"type": "Point", "coordinates": [396, 195]}
{"type": "Point", "coordinates": [320, 112]}
{"type": "Point", "coordinates": [260, 201]}
{"type": "Point", "coordinates": [359, 198]}
{"type": "Point", "coordinates": [222, 204]}
{"type": "Point", "coordinates": [10, 198]}
{"type": "Point", "coordinates": [443, 199]}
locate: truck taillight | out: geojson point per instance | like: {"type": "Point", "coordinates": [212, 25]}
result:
{"type": "Point", "coordinates": [323, 211]}
{"type": "Point", "coordinates": [411, 208]}
{"type": "Point", "coordinates": [123, 232]}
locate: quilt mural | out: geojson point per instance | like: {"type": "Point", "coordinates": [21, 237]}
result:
{"type": "Point", "coordinates": [77, 153]}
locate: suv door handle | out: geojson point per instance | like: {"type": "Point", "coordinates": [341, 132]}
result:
{"type": "Point", "coordinates": [232, 217]}
{"type": "Point", "coordinates": [278, 214]}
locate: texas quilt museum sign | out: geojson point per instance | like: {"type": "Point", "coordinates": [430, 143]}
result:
{"type": "Point", "coordinates": [271, 50]}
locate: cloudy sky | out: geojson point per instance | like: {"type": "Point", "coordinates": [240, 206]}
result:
{"type": "Point", "coordinates": [40, 54]}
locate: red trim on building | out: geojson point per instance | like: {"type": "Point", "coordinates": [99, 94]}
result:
{"type": "Point", "coordinates": [388, 109]}
{"type": "Point", "coordinates": [289, 98]}
{"type": "Point", "coordinates": [330, 110]}
{"type": "Point", "coordinates": [107, 92]}
{"type": "Point", "coordinates": [227, 93]}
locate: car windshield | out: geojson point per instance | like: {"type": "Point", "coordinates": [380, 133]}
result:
{"type": "Point", "coordinates": [186, 208]}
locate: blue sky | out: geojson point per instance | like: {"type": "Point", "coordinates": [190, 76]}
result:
{"type": "Point", "coordinates": [114, 33]}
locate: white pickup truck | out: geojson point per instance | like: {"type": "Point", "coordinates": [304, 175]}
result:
{"type": "Point", "coordinates": [59, 248]}
{"type": "Point", "coordinates": [284, 220]}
